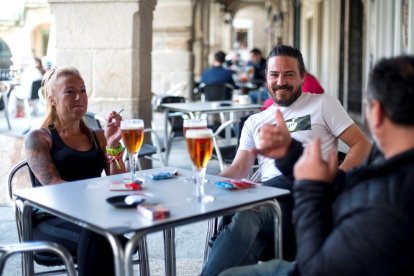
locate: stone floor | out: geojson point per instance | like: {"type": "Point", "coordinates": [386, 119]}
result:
{"type": "Point", "coordinates": [190, 239]}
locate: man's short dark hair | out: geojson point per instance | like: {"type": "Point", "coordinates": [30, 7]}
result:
{"type": "Point", "coordinates": [220, 56]}
{"type": "Point", "coordinates": [391, 82]}
{"type": "Point", "coordinates": [285, 50]}
{"type": "Point", "coordinates": [255, 51]}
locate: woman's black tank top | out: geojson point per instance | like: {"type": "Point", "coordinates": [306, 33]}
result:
{"type": "Point", "coordinates": [73, 164]}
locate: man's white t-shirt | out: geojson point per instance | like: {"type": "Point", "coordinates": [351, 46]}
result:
{"type": "Point", "coordinates": [310, 116]}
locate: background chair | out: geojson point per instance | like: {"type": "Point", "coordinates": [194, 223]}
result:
{"type": "Point", "coordinates": [216, 92]}
{"type": "Point", "coordinates": [175, 119]}
{"type": "Point", "coordinates": [4, 93]}
{"type": "Point", "coordinates": [10, 249]}
{"type": "Point", "coordinates": [225, 152]}
{"type": "Point", "coordinates": [34, 98]}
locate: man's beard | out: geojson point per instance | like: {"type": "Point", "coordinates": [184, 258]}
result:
{"type": "Point", "coordinates": [289, 97]}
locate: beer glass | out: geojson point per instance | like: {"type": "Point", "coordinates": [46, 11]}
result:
{"type": "Point", "coordinates": [200, 147]}
{"type": "Point", "coordinates": [132, 132]}
{"type": "Point", "coordinates": [193, 123]}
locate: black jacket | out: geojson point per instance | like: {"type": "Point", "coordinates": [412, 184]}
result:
{"type": "Point", "coordinates": [361, 224]}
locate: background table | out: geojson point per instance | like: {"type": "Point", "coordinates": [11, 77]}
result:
{"type": "Point", "coordinates": [84, 203]}
{"type": "Point", "coordinates": [195, 109]}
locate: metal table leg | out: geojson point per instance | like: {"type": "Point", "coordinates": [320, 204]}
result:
{"type": "Point", "coordinates": [169, 251]}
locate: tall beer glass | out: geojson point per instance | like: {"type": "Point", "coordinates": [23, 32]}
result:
{"type": "Point", "coordinates": [132, 132]}
{"type": "Point", "coordinates": [193, 123]}
{"type": "Point", "coordinates": [200, 147]}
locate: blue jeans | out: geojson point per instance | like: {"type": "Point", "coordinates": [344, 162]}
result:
{"type": "Point", "coordinates": [258, 96]}
{"type": "Point", "coordinates": [242, 241]}
{"type": "Point", "coordinates": [271, 268]}
{"type": "Point", "coordinates": [248, 236]}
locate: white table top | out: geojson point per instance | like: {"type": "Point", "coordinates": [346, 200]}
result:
{"type": "Point", "coordinates": [211, 107]}
{"type": "Point", "coordinates": [84, 201]}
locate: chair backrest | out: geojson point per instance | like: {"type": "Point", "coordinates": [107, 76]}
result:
{"type": "Point", "coordinates": [2, 104]}
{"type": "Point", "coordinates": [35, 89]}
{"type": "Point", "coordinates": [4, 88]}
{"type": "Point", "coordinates": [91, 121]}
{"type": "Point", "coordinates": [20, 173]}
{"type": "Point", "coordinates": [171, 99]}
{"type": "Point", "coordinates": [175, 118]}
{"type": "Point", "coordinates": [217, 92]}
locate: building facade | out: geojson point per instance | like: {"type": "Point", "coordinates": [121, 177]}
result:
{"type": "Point", "coordinates": [129, 50]}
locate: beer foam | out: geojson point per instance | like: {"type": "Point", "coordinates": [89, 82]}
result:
{"type": "Point", "coordinates": [199, 133]}
{"type": "Point", "coordinates": [195, 123]}
{"type": "Point", "coordinates": [131, 127]}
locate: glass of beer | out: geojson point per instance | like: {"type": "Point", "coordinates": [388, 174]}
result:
{"type": "Point", "coordinates": [132, 132]}
{"type": "Point", "coordinates": [200, 147]}
{"type": "Point", "coordinates": [193, 123]}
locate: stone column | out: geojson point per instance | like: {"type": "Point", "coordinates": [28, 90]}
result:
{"type": "Point", "coordinates": [172, 54]}
{"type": "Point", "coordinates": [110, 42]}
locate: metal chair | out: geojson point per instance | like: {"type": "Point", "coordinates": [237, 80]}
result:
{"type": "Point", "coordinates": [224, 153]}
{"type": "Point", "coordinates": [34, 97]}
{"type": "Point", "coordinates": [4, 91]}
{"type": "Point", "coordinates": [22, 172]}
{"type": "Point", "coordinates": [176, 122]}
{"type": "Point", "coordinates": [216, 92]}
{"type": "Point", "coordinates": [10, 249]}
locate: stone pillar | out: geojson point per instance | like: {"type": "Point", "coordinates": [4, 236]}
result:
{"type": "Point", "coordinates": [172, 50]}
{"type": "Point", "coordinates": [109, 41]}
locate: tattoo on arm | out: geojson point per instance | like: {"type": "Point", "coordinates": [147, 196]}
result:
{"type": "Point", "coordinates": [40, 161]}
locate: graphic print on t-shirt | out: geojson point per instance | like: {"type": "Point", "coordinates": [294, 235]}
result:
{"type": "Point", "coordinates": [299, 123]}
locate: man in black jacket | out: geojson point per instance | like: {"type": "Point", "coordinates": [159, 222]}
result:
{"type": "Point", "coordinates": [362, 222]}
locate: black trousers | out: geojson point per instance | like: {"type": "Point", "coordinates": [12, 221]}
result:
{"type": "Point", "coordinates": [92, 251]}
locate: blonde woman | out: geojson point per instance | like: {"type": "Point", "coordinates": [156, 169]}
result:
{"type": "Point", "coordinates": [65, 149]}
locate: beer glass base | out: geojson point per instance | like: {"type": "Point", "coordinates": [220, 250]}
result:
{"type": "Point", "coordinates": [202, 199]}
{"type": "Point", "coordinates": [193, 180]}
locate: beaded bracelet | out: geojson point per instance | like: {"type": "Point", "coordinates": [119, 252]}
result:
{"type": "Point", "coordinates": [114, 151]}
{"type": "Point", "coordinates": [113, 155]}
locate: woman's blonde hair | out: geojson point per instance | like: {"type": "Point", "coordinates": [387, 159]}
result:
{"type": "Point", "coordinates": [48, 89]}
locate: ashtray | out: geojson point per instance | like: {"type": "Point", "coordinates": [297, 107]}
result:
{"type": "Point", "coordinates": [120, 202]}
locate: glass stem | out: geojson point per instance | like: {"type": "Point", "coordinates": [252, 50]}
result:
{"type": "Point", "coordinates": [132, 165]}
{"type": "Point", "coordinates": [199, 192]}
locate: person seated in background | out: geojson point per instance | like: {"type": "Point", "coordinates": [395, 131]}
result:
{"type": "Point", "coordinates": [256, 69]}
{"type": "Point", "coordinates": [233, 62]}
{"type": "Point", "coordinates": [217, 74]}
{"type": "Point", "coordinates": [247, 236]}
{"type": "Point", "coordinates": [64, 149]}
{"type": "Point", "coordinates": [32, 72]}
{"type": "Point", "coordinates": [310, 85]}
{"type": "Point", "coordinates": [360, 222]}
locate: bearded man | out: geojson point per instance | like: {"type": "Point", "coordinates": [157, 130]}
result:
{"type": "Point", "coordinates": [247, 236]}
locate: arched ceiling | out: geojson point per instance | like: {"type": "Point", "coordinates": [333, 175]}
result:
{"type": "Point", "coordinates": [233, 6]}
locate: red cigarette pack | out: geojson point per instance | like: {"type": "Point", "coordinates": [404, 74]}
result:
{"type": "Point", "coordinates": [153, 211]}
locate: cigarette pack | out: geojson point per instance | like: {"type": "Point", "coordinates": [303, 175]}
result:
{"type": "Point", "coordinates": [120, 186]}
{"type": "Point", "coordinates": [153, 211]}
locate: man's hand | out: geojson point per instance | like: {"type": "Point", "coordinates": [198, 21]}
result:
{"type": "Point", "coordinates": [274, 139]}
{"type": "Point", "coordinates": [311, 166]}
